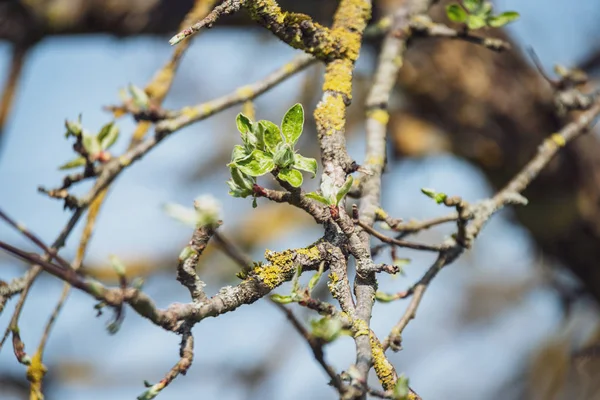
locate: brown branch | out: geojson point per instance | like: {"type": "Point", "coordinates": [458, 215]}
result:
{"type": "Point", "coordinates": [398, 242]}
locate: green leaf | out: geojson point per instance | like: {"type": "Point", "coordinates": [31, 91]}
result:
{"type": "Point", "coordinates": [74, 128]}
{"type": "Point", "coordinates": [242, 180]}
{"type": "Point", "coordinates": [256, 164]}
{"type": "Point", "coordinates": [328, 329]}
{"type": "Point", "coordinates": [186, 253]}
{"type": "Point", "coordinates": [238, 153]}
{"type": "Point", "coordinates": [401, 390]}
{"type": "Point", "coordinates": [318, 197]}
{"type": "Point", "coordinates": [315, 278]}
{"type": "Point", "coordinates": [456, 13]}
{"type": "Point", "coordinates": [473, 5]}
{"type": "Point", "coordinates": [117, 265]}
{"type": "Point", "coordinates": [277, 298]}
{"type": "Point", "coordinates": [271, 134]}
{"type": "Point", "coordinates": [244, 124]}
{"type": "Point", "coordinates": [292, 124]}
{"type": "Point", "coordinates": [139, 97]}
{"type": "Point", "coordinates": [291, 176]}
{"type": "Point", "coordinates": [438, 197]}
{"type": "Point", "coordinates": [328, 189]}
{"type": "Point", "coordinates": [108, 135]}
{"type": "Point", "coordinates": [305, 164]}
{"type": "Point", "coordinates": [383, 297]}
{"type": "Point", "coordinates": [503, 19]}
{"type": "Point", "coordinates": [237, 191]}
{"type": "Point", "coordinates": [344, 189]}
{"type": "Point", "coordinates": [91, 144]}
{"type": "Point", "coordinates": [486, 9]}
{"type": "Point", "coordinates": [77, 162]}
{"type": "Point", "coordinates": [475, 22]}
{"type": "Point", "coordinates": [284, 155]}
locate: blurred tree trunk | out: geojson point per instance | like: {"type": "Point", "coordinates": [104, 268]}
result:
{"type": "Point", "coordinates": [495, 109]}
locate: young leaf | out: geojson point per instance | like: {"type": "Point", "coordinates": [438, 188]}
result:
{"type": "Point", "coordinates": [277, 298]}
{"type": "Point", "coordinates": [283, 156]}
{"type": "Point", "coordinates": [271, 135]}
{"type": "Point", "coordinates": [328, 329]}
{"type": "Point", "coordinates": [77, 162]}
{"type": "Point", "coordinates": [237, 191]}
{"type": "Point", "coordinates": [318, 197]}
{"type": "Point", "coordinates": [344, 189]}
{"type": "Point", "coordinates": [328, 189]}
{"type": "Point", "coordinates": [73, 128]}
{"type": "Point", "coordinates": [503, 19]}
{"type": "Point", "coordinates": [473, 6]}
{"type": "Point", "coordinates": [475, 22]}
{"type": "Point", "coordinates": [139, 97]}
{"type": "Point", "coordinates": [305, 164]}
{"type": "Point", "coordinates": [117, 265]}
{"type": "Point", "coordinates": [292, 124]}
{"type": "Point", "coordinates": [291, 176]}
{"type": "Point", "coordinates": [108, 135]}
{"type": "Point", "coordinates": [401, 390]}
{"type": "Point", "coordinates": [384, 297]}
{"type": "Point", "coordinates": [91, 144]}
{"type": "Point", "coordinates": [315, 278]}
{"type": "Point", "coordinates": [243, 123]}
{"type": "Point", "coordinates": [242, 180]}
{"type": "Point", "coordinates": [256, 164]}
{"type": "Point", "coordinates": [486, 9]}
{"type": "Point", "coordinates": [456, 13]}
{"type": "Point", "coordinates": [238, 153]}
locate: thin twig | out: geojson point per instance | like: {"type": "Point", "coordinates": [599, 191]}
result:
{"type": "Point", "coordinates": [316, 346]}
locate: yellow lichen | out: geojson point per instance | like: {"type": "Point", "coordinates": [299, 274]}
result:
{"type": "Point", "coordinates": [330, 114]}
{"type": "Point", "coordinates": [558, 139]}
{"type": "Point", "coordinates": [312, 252]}
{"type": "Point", "coordinates": [349, 23]}
{"type": "Point", "coordinates": [379, 115]}
{"type": "Point", "coordinates": [375, 160]}
{"type": "Point", "coordinates": [383, 368]}
{"type": "Point", "coordinates": [245, 91]}
{"type": "Point", "coordinates": [360, 328]}
{"type": "Point", "coordinates": [339, 77]}
{"type": "Point", "coordinates": [189, 112]}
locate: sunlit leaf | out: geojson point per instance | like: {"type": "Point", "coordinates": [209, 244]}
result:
{"type": "Point", "coordinates": [305, 164]}
{"type": "Point", "coordinates": [256, 164]}
{"type": "Point", "coordinates": [291, 176]}
{"type": "Point", "coordinates": [456, 13]}
{"type": "Point", "coordinates": [292, 124]}
{"type": "Point", "coordinates": [271, 134]}
{"type": "Point", "coordinates": [283, 156]}
{"type": "Point", "coordinates": [498, 21]}
{"type": "Point", "coordinates": [344, 189]}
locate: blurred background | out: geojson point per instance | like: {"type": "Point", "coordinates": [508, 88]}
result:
{"type": "Point", "coordinates": [514, 318]}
